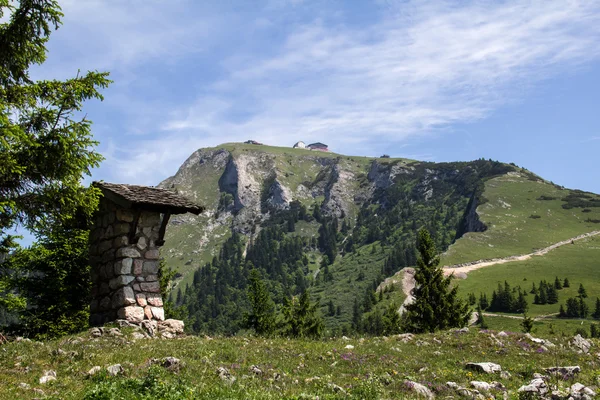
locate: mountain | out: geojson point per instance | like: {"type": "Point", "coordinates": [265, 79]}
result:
{"type": "Point", "coordinates": [339, 225]}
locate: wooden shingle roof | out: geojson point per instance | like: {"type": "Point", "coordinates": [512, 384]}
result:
{"type": "Point", "coordinates": [148, 198]}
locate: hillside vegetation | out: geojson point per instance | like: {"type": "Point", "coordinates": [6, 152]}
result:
{"type": "Point", "coordinates": [256, 368]}
{"type": "Point", "coordinates": [339, 225]}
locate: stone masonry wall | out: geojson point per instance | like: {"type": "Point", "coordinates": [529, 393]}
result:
{"type": "Point", "coordinates": [124, 275]}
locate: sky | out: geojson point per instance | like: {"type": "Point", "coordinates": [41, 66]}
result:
{"type": "Point", "coordinates": [515, 81]}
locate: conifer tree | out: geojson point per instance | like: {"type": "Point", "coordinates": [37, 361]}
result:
{"type": "Point", "coordinates": [566, 283]}
{"type": "Point", "coordinates": [557, 284]}
{"type": "Point", "coordinates": [584, 310]}
{"type": "Point", "coordinates": [581, 291]}
{"type": "Point", "coordinates": [527, 323]}
{"type": "Point", "coordinates": [436, 305]}
{"type": "Point", "coordinates": [596, 313]}
{"type": "Point", "coordinates": [301, 318]}
{"type": "Point", "coordinates": [480, 318]}
{"type": "Point", "coordinates": [262, 315]}
{"type": "Point", "coordinates": [562, 313]}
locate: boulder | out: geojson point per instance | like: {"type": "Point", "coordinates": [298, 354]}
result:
{"type": "Point", "coordinates": [114, 370]}
{"type": "Point", "coordinates": [131, 313]}
{"type": "Point", "coordinates": [535, 387]}
{"type": "Point", "coordinates": [48, 377]}
{"type": "Point", "coordinates": [485, 367]}
{"type": "Point", "coordinates": [581, 344]}
{"type": "Point", "coordinates": [225, 375]}
{"type": "Point", "coordinates": [565, 372]}
{"type": "Point", "coordinates": [418, 389]}
{"type": "Point", "coordinates": [94, 370]}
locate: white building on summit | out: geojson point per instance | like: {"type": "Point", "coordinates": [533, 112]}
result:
{"type": "Point", "coordinates": [300, 145]}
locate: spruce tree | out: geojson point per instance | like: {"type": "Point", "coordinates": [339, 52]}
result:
{"type": "Point", "coordinates": [557, 284]}
{"type": "Point", "coordinates": [527, 323]}
{"type": "Point", "coordinates": [581, 291]}
{"type": "Point", "coordinates": [584, 310]}
{"type": "Point", "coordinates": [566, 283]}
{"type": "Point", "coordinates": [436, 305]}
{"type": "Point", "coordinates": [596, 313]}
{"type": "Point", "coordinates": [480, 318]}
{"type": "Point", "coordinates": [301, 318]}
{"type": "Point", "coordinates": [562, 313]}
{"type": "Point", "coordinates": [262, 315]}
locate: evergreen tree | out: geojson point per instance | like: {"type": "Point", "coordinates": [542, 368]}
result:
{"type": "Point", "coordinates": [596, 313]}
{"type": "Point", "coordinates": [533, 289]}
{"type": "Point", "coordinates": [566, 283]}
{"type": "Point", "coordinates": [527, 323]}
{"type": "Point", "coordinates": [262, 315]}
{"type": "Point", "coordinates": [483, 301]}
{"type": "Point", "coordinates": [436, 305]}
{"type": "Point", "coordinates": [472, 299]}
{"type": "Point", "coordinates": [331, 308]}
{"type": "Point", "coordinates": [301, 318]}
{"type": "Point", "coordinates": [595, 331]}
{"type": "Point", "coordinates": [552, 295]}
{"type": "Point", "coordinates": [584, 310]}
{"type": "Point", "coordinates": [391, 320]}
{"type": "Point", "coordinates": [557, 284]}
{"type": "Point", "coordinates": [45, 152]}
{"type": "Point", "coordinates": [572, 310]}
{"type": "Point", "coordinates": [480, 318]}
{"type": "Point", "coordinates": [581, 291]}
{"type": "Point", "coordinates": [356, 316]}
{"type": "Point", "coordinates": [562, 313]}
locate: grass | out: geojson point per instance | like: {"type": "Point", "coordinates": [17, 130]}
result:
{"type": "Point", "coordinates": [291, 369]}
{"type": "Point", "coordinates": [511, 202]}
{"type": "Point", "coordinates": [578, 262]}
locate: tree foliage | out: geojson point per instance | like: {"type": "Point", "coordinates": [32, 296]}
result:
{"type": "Point", "coordinates": [436, 305]}
{"type": "Point", "coordinates": [301, 318]}
{"type": "Point", "coordinates": [261, 317]}
{"type": "Point", "coordinates": [46, 147]}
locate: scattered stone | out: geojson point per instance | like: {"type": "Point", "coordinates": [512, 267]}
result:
{"type": "Point", "coordinates": [481, 386]}
{"type": "Point", "coordinates": [48, 376]}
{"type": "Point", "coordinates": [336, 388]}
{"type": "Point", "coordinates": [114, 332]}
{"type": "Point", "coordinates": [95, 332]}
{"type": "Point", "coordinates": [462, 330]}
{"type": "Point", "coordinates": [535, 387]}
{"type": "Point", "coordinates": [170, 328]}
{"type": "Point", "coordinates": [39, 391]}
{"type": "Point", "coordinates": [583, 345]}
{"type": "Point", "coordinates": [225, 375]}
{"type": "Point", "coordinates": [349, 347]}
{"type": "Point", "coordinates": [505, 375]}
{"type": "Point", "coordinates": [452, 385]}
{"type": "Point", "coordinates": [486, 367]}
{"type": "Point", "coordinates": [172, 364]}
{"type": "Point", "coordinates": [255, 370]}
{"type": "Point", "coordinates": [345, 338]}
{"type": "Point", "coordinates": [579, 391]}
{"type": "Point", "coordinates": [566, 372]}
{"type": "Point", "coordinates": [502, 334]}
{"type": "Point", "coordinates": [543, 342]}
{"type": "Point", "coordinates": [150, 327]}
{"type": "Point", "coordinates": [138, 335]}
{"type": "Point", "coordinates": [115, 370]}
{"type": "Point", "coordinates": [24, 386]}
{"type": "Point", "coordinates": [94, 370]}
{"type": "Point", "coordinates": [419, 389]}
{"type": "Point", "coordinates": [405, 337]}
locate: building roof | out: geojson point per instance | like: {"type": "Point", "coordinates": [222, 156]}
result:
{"type": "Point", "coordinates": [318, 144]}
{"type": "Point", "coordinates": [148, 198]}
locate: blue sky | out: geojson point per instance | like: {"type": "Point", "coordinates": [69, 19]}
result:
{"type": "Point", "coordinates": [517, 81]}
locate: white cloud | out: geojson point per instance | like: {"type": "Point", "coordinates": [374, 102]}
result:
{"type": "Point", "coordinates": [421, 68]}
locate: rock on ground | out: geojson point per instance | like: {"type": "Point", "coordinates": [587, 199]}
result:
{"type": "Point", "coordinates": [419, 389]}
{"type": "Point", "coordinates": [486, 367]}
{"type": "Point", "coordinates": [48, 376]}
{"type": "Point", "coordinates": [583, 345]}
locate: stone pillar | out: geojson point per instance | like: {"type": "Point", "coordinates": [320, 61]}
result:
{"type": "Point", "coordinates": [124, 260]}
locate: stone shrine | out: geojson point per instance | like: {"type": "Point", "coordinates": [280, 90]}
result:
{"type": "Point", "coordinates": [128, 230]}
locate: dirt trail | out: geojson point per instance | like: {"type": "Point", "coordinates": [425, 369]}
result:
{"type": "Point", "coordinates": [461, 270]}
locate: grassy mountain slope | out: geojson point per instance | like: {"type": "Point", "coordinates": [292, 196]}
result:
{"type": "Point", "coordinates": [523, 214]}
{"type": "Point", "coordinates": [282, 368]}
{"type": "Point", "coordinates": [382, 201]}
